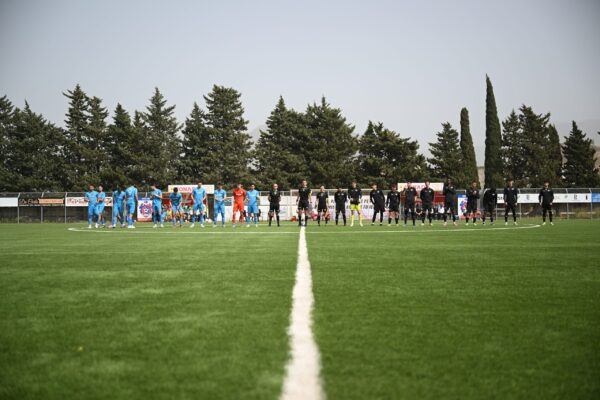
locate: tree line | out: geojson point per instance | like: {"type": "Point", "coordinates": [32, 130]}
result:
{"type": "Point", "coordinates": [317, 144]}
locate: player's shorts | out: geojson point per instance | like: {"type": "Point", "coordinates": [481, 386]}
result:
{"type": "Point", "coordinates": [449, 205]}
{"type": "Point", "coordinates": [340, 209]}
{"type": "Point", "coordinates": [117, 210]}
{"type": "Point", "coordinates": [546, 207]}
{"type": "Point", "coordinates": [156, 209]}
{"type": "Point", "coordinates": [488, 208]}
{"type": "Point", "coordinates": [92, 210]}
{"type": "Point", "coordinates": [131, 208]}
{"type": "Point", "coordinates": [238, 207]}
{"type": "Point", "coordinates": [274, 208]}
{"type": "Point", "coordinates": [427, 207]}
{"type": "Point", "coordinates": [355, 207]}
{"type": "Point", "coordinates": [219, 208]}
{"type": "Point", "coordinates": [198, 208]}
{"type": "Point", "coordinates": [100, 208]}
{"type": "Point", "coordinates": [378, 207]}
{"type": "Point", "coordinates": [409, 206]}
{"type": "Point", "coordinates": [176, 209]}
{"type": "Point", "coordinates": [303, 205]}
{"type": "Point", "coordinates": [395, 208]}
{"type": "Point", "coordinates": [253, 209]}
{"type": "Point", "coordinates": [471, 208]}
{"type": "Point", "coordinates": [321, 209]}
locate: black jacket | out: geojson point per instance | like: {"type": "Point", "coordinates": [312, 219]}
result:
{"type": "Point", "coordinates": [377, 197]}
{"type": "Point", "coordinates": [511, 195]}
{"type": "Point", "coordinates": [449, 193]}
{"type": "Point", "coordinates": [546, 196]}
{"type": "Point", "coordinates": [427, 195]}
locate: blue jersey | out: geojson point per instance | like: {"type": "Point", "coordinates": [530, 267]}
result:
{"type": "Point", "coordinates": [175, 199]}
{"type": "Point", "coordinates": [252, 196]}
{"type": "Point", "coordinates": [198, 194]}
{"type": "Point", "coordinates": [101, 197]}
{"type": "Point", "coordinates": [118, 197]}
{"type": "Point", "coordinates": [220, 196]}
{"type": "Point", "coordinates": [156, 196]}
{"type": "Point", "coordinates": [130, 194]}
{"type": "Point", "coordinates": [92, 198]}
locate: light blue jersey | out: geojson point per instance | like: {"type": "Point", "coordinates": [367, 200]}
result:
{"type": "Point", "coordinates": [198, 194]}
{"type": "Point", "coordinates": [175, 200]}
{"type": "Point", "coordinates": [220, 195]}
{"type": "Point", "coordinates": [92, 198]}
{"type": "Point", "coordinates": [252, 196]}
{"type": "Point", "coordinates": [118, 198]}
{"type": "Point", "coordinates": [130, 194]}
{"type": "Point", "coordinates": [100, 205]}
{"type": "Point", "coordinates": [156, 196]}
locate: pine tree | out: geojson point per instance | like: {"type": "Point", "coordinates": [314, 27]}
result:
{"type": "Point", "coordinates": [161, 130]}
{"type": "Point", "coordinates": [446, 158]}
{"type": "Point", "coordinates": [513, 150]}
{"type": "Point", "coordinates": [331, 146]}
{"type": "Point", "coordinates": [230, 144]}
{"type": "Point", "coordinates": [96, 136]}
{"type": "Point", "coordinates": [120, 147]}
{"type": "Point", "coordinates": [279, 158]}
{"type": "Point", "coordinates": [386, 158]}
{"type": "Point", "coordinates": [469, 168]}
{"type": "Point", "coordinates": [77, 142]}
{"type": "Point", "coordinates": [535, 140]}
{"type": "Point", "coordinates": [7, 130]}
{"type": "Point", "coordinates": [580, 161]}
{"type": "Point", "coordinates": [196, 147]}
{"type": "Point", "coordinates": [493, 140]}
{"type": "Point", "coordinates": [555, 157]}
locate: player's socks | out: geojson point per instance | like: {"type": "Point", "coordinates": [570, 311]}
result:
{"type": "Point", "coordinates": [277, 220]}
{"type": "Point", "coordinates": [305, 220]}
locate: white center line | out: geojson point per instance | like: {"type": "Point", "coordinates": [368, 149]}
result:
{"type": "Point", "coordinates": [302, 381]}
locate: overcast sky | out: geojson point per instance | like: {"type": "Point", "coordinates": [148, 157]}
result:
{"type": "Point", "coordinates": [409, 64]}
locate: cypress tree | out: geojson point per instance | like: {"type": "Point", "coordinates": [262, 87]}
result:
{"type": "Point", "coordinates": [446, 158]}
{"type": "Point", "coordinates": [467, 150]}
{"type": "Point", "coordinates": [493, 140]}
{"type": "Point", "coordinates": [580, 161]}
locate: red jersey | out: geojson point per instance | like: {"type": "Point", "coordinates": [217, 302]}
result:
{"type": "Point", "coordinates": [239, 195]}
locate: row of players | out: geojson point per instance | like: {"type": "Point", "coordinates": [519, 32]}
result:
{"type": "Point", "coordinates": [126, 200]}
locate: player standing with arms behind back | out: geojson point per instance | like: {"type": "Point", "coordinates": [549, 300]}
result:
{"type": "Point", "coordinates": [253, 196]}
{"type": "Point", "coordinates": [131, 199]}
{"type": "Point", "coordinates": [220, 197]}
{"type": "Point", "coordinates": [91, 198]}
{"type": "Point", "coordinates": [100, 206]}
{"type": "Point", "coordinates": [511, 198]}
{"type": "Point", "coordinates": [355, 195]}
{"type": "Point", "coordinates": [546, 198]}
{"type": "Point", "coordinates": [449, 201]}
{"type": "Point", "coordinates": [377, 198]}
{"type": "Point", "coordinates": [340, 198]}
{"type": "Point", "coordinates": [302, 201]}
{"type": "Point", "coordinates": [472, 198]}
{"type": "Point", "coordinates": [393, 204]}
{"type": "Point", "coordinates": [410, 196]}
{"type": "Point", "coordinates": [198, 195]}
{"type": "Point", "coordinates": [490, 198]}
{"type": "Point", "coordinates": [322, 208]}
{"type": "Point", "coordinates": [156, 197]}
{"type": "Point", "coordinates": [274, 200]}
{"type": "Point", "coordinates": [239, 195]}
{"type": "Point", "coordinates": [427, 195]}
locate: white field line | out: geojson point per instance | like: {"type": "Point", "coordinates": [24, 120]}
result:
{"type": "Point", "coordinates": [302, 380]}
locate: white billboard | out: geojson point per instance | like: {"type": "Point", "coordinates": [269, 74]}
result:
{"type": "Point", "coordinates": [9, 202]}
{"type": "Point", "coordinates": [533, 198]}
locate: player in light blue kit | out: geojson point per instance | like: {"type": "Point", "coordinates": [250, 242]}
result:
{"type": "Point", "coordinates": [156, 197]}
{"type": "Point", "coordinates": [131, 199]}
{"type": "Point", "coordinates": [91, 198]}
{"type": "Point", "coordinates": [100, 206]}
{"type": "Point", "coordinates": [118, 207]}
{"type": "Point", "coordinates": [198, 194]}
{"type": "Point", "coordinates": [176, 208]}
{"type": "Point", "coordinates": [252, 197]}
{"type": "Point", "coordinates": [220, 197]}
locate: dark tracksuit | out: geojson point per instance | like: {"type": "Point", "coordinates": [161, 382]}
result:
{"type": "Point", "coordinates": [449, 202]}
{"type": "Point", "coordinates": [340, 199]}
{"type": "Point", "coordinates": [393, 203]}
{"type": "Point", "coordinates": [472, 197]}
{"type": "Point", "coordinates": [510, 199]}
{"type": "Point", "coordinates": [378, 200]}
{"type": "Point", "coordinates": [321, 205]}
{"type": "Point", "coordinates": [490, 198]}
{"type": "Point", "coordinates": [427, 195]}
{"type": "Point", "coordinates": [546, 197]}
{"type": "Point", "coordinates": [410, 195]}
{"type": "Point", "coordinates": [274, 200]}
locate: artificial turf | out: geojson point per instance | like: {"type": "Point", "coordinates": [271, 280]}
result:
{"type": "Point", "coordinates": [399, 312]}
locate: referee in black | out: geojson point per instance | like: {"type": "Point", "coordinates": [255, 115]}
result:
{"type": "Point", "coordinates": [274, 200]}
{"type": "Point", "coordinates": [378, 200]}
{"type": "Point", "coordinates": [427, 195]}
{"type": "Point", "coordinates": [410, 197]}
{"type": "Point", "coordinates": [340, 198]}
{"type": "Point", "coordinates": [511, 198]}
{"type": "Point", "coordinates": [546, 198]}
{"type": "Point", "coordinates": [449, 201]}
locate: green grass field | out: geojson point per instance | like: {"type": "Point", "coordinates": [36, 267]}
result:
{"type": "Point", "coordinates": [400, 313]}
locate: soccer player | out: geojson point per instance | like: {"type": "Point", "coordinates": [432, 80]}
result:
{"type": "Point", "coordinates": [274, 200]}
{"type": "Point", "coordinates": [91, 198]}
{"type": "Point", "coordinates": [546, 198]}
{"type": "Point", "coordinates": [239, 195]}
{"type": "Point", "coordinates": [355, 195]}
{"type": "Point", "coordinates": [165, 213]}
{"type": "Point", "coordinates": [100, 207]}
{"type": "Point", "coordinates": [118, 208]}
{"type": "Point", "coordinates": [511, 197]}
{"type": "Point", "coordinates": [393, 204]}
{"type": "Point", "coordinates": [198, 195]}
{"type": "Point", "coordinates": [340, 198]}
{"type": "Point", "coordinates": [322, 209]}
{"type": "Point", "coordinates": [131, 199]}
{"type": "Point", "coordinates": [303, 201]}
{"type": "Point", "coordinates": [378, 200]}
{"type": "Point", "coordinates": [253, 197]}
{"type": "Point", "coordinates": [410, 195]}
{"type": "Point", "coordinates": [220, 197]}
{"type": "Point", "coordinates": [156, 197]}
{"type": "Point", "coordinates": [427, 195]}
{"type": "Point", "coordinates": [490, 198]}
{"type": "Point", "coordinates": [472, 198]}
{"type": "Point", "coordinates": [449, 201]}
{"type": "Point", "coordinates": [176, 208]}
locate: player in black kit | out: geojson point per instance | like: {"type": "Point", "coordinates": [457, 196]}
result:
{"type": "Point", "coordinates": [302, 201]}
{"type": "Point", "coordinates": [322, 209]}
{"type": "Point", "coordinates": [490, 198]}
{"type": "Point", "coordinates": [274, 200]}
{"type": "Point", "coordinates": [546, 198]}
{"type": "Point", "coordinates": [449, 201]}
{"type": "Point", "coordinates": [393, 204]}
{"type": "Point", "coordinates": [410, 196]}
{"type": "Point", "coordinates": [340, 198]}
{"type": "Point", "coordinates": [355, 195]}
{"type": "Point", "coordinates": [511, 198]}
{"type": "Point", "coordinates": [378, 200]}
{"type": "Point", "coordinates": [472, 198]}
{"type": "Point", "coordinates": [427, 195]}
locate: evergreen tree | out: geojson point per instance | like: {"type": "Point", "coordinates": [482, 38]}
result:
{"type": "Point", "coordinates": [469, 169]}
{"type": "Point", "coordinates": [446, 158]}
{"type": "Point", "coordinates": [385, 158]}
{"type": "Point", "coordinates": [513, 149]}
{"type": "Point", "coordinates": [331, 145]}
{"type": "Point", "coordinates": [279, 155]}
{"type": "Point", "coordinates": [96, 135]}
{"type": "Point", "coordinates": [493, 140]}
{"type": "Point", "coordinates": [580, 161]}
{"type": "Point", "coordinates": [197, 147]}
{"type": "Point", "coordinates": [555, 157]}
{"type": "Point", "coordinates": [120, 147]}
{"type": "Point", "coordinates": [538, 165]}
{"type": "Point", "coordinates": [77, 142]}
{"type": "Point", "coordinates": [160, 131]}
{"type": "Point", "coordinates": [7, 130]}
{"type": "Point", "coordinates": [229, 144]}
